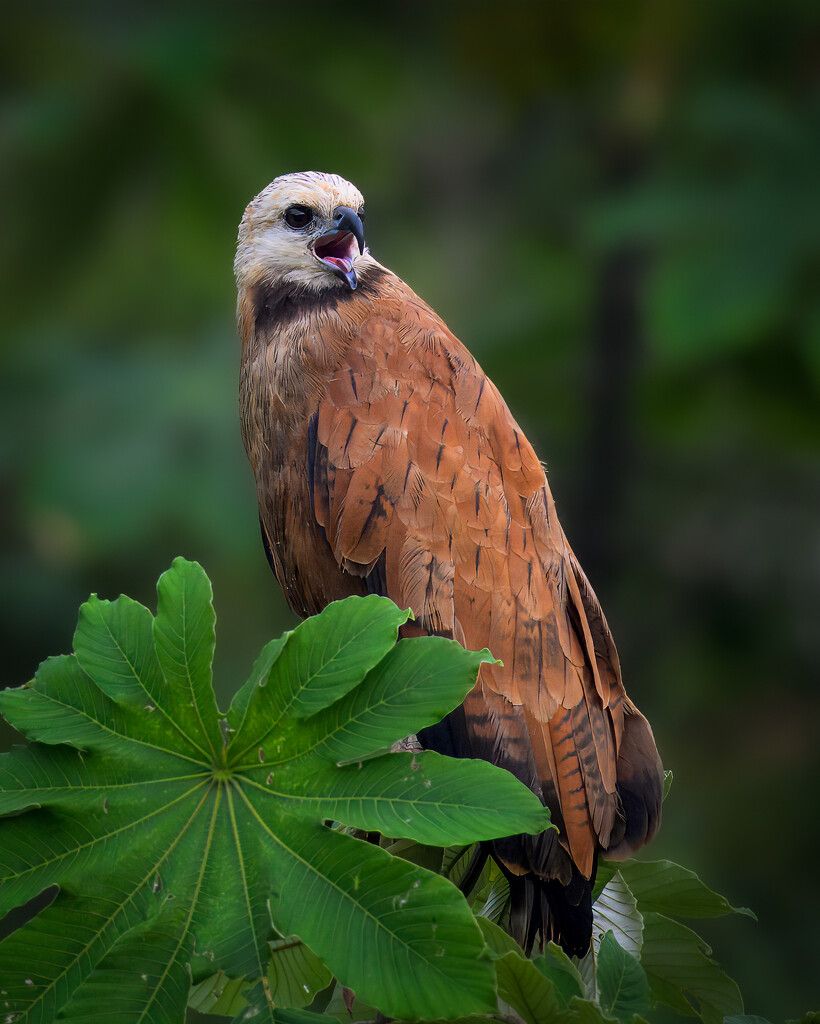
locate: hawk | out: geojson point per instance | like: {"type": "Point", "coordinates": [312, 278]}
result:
{"type": "Point", "coordinates": [387, 462]}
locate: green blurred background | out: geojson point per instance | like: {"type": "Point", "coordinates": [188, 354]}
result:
{"type": "Point", "coordinates": [614, 204]}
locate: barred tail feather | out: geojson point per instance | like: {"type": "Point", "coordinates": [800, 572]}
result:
{"type": "Point", "coordinates": [543, 910]}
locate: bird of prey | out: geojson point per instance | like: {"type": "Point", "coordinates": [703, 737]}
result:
{"type": "Point", "coordinates": [387, 462]}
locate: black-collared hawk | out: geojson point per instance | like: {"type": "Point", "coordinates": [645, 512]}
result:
{"type": "Point", "coordinates": [387, 462]}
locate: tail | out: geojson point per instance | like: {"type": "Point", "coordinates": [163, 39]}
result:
{"type": "Point", "coordinates": [544, 910]}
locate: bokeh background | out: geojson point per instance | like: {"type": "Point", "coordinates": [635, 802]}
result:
{"type": "Point", "coordinates": [614, 204]}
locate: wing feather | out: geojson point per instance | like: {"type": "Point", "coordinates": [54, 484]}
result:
{"type": "Point", "coordinates": [421, 470]}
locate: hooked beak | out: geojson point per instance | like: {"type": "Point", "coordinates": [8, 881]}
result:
{"type": "Point", "coordinates": [337, 248]}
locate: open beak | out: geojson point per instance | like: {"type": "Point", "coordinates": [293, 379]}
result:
{"type": "Point", "coordinates": [337, 248]}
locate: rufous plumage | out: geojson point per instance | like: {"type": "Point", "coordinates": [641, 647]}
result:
{"type": "Point", "coordinates": [387, 462]}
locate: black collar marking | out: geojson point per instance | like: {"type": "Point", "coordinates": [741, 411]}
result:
{"type": "Point", "coordinates": [277, 303]}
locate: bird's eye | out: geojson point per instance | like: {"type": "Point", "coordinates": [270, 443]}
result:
{"type": "Point", "coordinates": [361, 214]}
{"type": "Point", "coordinates": [298, 216]}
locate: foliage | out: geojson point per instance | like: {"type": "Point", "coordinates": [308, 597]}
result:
{"type": "Point", "coordinates": [177, 835]}
{"type": "Point", "coordinates": [196, 867]}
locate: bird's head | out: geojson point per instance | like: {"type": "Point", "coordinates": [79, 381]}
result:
{"type": "Point", "coordinates": [304, 229]}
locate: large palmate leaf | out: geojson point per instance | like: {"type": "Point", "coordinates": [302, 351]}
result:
{"type": "Point", "coordinates": [180, 839]}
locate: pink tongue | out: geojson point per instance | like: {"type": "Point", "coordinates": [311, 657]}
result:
{"type": "Point", "coordinates": [342, 262]}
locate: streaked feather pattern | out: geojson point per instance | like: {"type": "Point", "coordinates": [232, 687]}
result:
{"type": "Point", "coordinates": [387, 461]}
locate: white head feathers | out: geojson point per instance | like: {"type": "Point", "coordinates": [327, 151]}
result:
{"type": "Point", "coordinates": [282, 226]}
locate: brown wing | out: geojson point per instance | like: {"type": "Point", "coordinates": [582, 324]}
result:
{"type": "Point", "coordinates": [425, 485]}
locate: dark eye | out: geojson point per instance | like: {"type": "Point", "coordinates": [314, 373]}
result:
{"type": "Point", "coordinates": [298, 216]}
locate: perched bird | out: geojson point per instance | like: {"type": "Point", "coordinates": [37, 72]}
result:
{"type": "Point", "coordinates": [387, 462]}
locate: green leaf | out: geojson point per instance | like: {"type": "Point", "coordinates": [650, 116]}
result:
{"type": "Point", "coordinates": [678, 966]}
{"type": "Point", "coordinates": [410, 688]}
{"type": "Point", "coordinates": [562, 972]}
{"type": "Point", "coordinates": [295, 973]}
{"type": "Point", "coordinates": [177, 853]}
{"type": "Point", "coordinates": [454, 862]}
{"type": "Point", "coordinates": [320, 661]}
{"type": "Point", "coordinates": [616, 911]}
{"type": "Point", "coordinates": [258, 1009]}
{"type": "Point", "coordinates": [497, 899]}
{"type": "Point", "coordinates": [429, 857]}
{"type": "Point", "coordinates": [585, 1011]}
{"type": "Point", "coordinates": [526, 989]}
{"type": "Point", "coordinates": [498, 941]}
{"type": "Point", "coordinates": [622, 984]}
{"type": "Point", "coordinates": [114, 645]}
{"type": "Point", "coordinates": [456, 869]}
{"type": "Point", "coordinates": [520, 983]}
{"type": "Point", "coordinates": [184, 633]}
{"type": "Point", "coordinates": [671, 889]}
{"type": "Point", "coordinates": [381, 910]}
{"type": "Point", "coordinates": [606, 869]}
{"type": "Point", "coordinates": [218, 994]}
{"type": "Point", "coordinates": [472, 1019]}
{"type": "Point", "coordinates": [752, 1018]}
{"type": "Point", "coordinates": [340, 1007]}
{"type": "Point", "coordinates": [144, 977]}
{"type": "Point", "coordinates": [267, 1015]}
{"type": "Point", "coordinates": [258, 677]}
{"type": "Point", "coordinates": [425, 796]}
